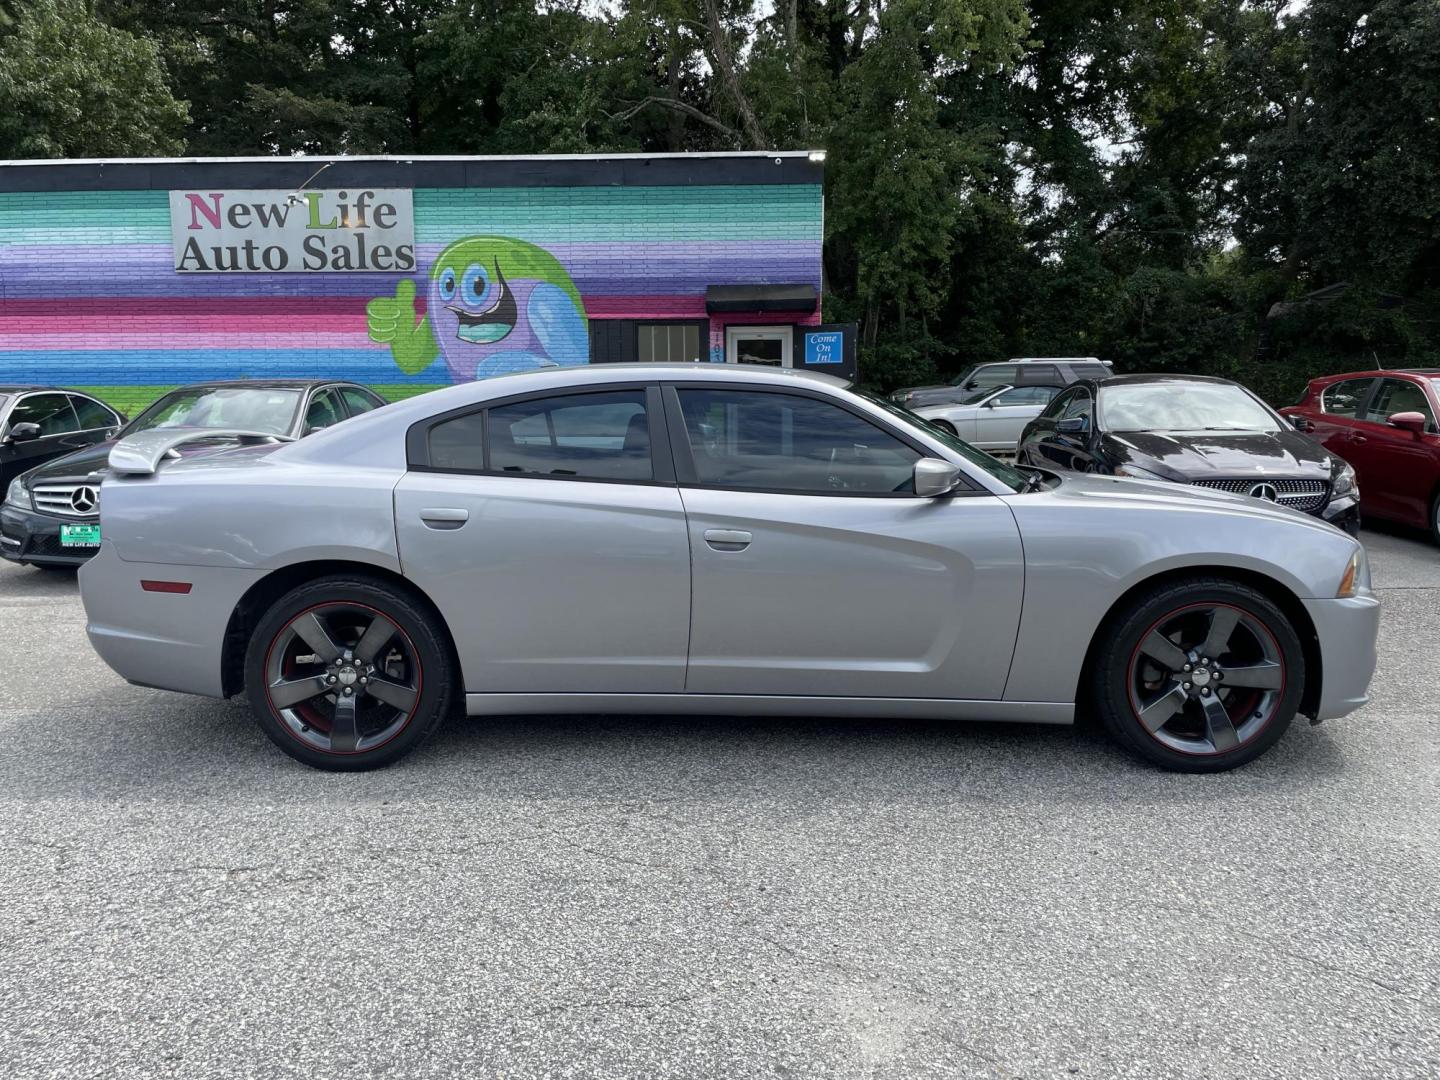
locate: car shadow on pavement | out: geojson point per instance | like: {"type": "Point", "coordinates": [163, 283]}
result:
{"type": "Point", "coordinates": [185, 748]}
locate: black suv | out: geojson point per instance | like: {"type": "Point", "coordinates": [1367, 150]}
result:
{"type": "Point", "coordinates": [1024, 371]}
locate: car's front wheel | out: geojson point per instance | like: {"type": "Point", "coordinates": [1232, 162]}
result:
{"type": "Point", "coordinates": [348, 673]}
{"type": "Point", "coordinates": [1199, 675]}
{"type": "Point", "coordinates": [945, 426]}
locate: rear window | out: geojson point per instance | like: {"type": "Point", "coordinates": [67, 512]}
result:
{"type": "Point", "coordinates": [1038, 375]}
{"type": "Point", "coordinates": [1090, 371]}
{"type": "Point", "coordinates": [1344, 398]}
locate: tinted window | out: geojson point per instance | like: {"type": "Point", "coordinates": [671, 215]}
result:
{"type": "Point", "coordinates": [587, 436]}
{"type": "Point", "coordinates": [1041, 374]}
{"type": "Point", "coordinates": [1057, 405]}
{"type": "Point", "coordinates": [324, 410]}
{"type": "Point", "coordinates": [784, 442]}
{"type": "Point", "coordinates": [1344, 398]}
{"type": "Point", "coordinates": [1184, 406]}
{"type": "Point", "coordinates": [92, 414]}
{"type": "Point", "coordinates": [1397, 395]}
{"type": "Point", "coordinates": [993, 375]}
{"type": "Point", "coordinates": [241, 408]}
{"type": "Point", "coordinates": [1090, 371]}
{"type": "Point", "coordinates": [358, 401]}
{"type": "Point", "coordinates": [51, 411]}
{"type": "Point", "coordinates": [459, 443]}
{"type": "Point", "coordinates": [1024, 395]}
{"type": "Point", "coordinates": [1079, 405]}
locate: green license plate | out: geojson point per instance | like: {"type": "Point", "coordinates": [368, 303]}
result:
{"type": "Point", "coordinates": [79, 535]}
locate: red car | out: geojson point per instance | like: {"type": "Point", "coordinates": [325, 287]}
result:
{"type": "Point", "coordinates": [1382, 423]}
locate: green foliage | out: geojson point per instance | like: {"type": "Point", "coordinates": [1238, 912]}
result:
{"type": "Point", "coordinates": [1234, 187]}
{"type": "Point", "coordinates": [72, 85]}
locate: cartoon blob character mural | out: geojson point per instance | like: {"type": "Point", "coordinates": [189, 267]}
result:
{"type": "Point", "coordinates": [492, 305]}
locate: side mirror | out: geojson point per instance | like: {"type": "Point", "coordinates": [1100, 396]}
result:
{"type": "Point", "coordinates": [1299, 423]}
{"type": "Point", "coordinates": [934, 476]}
{"type": "Point", "coordinates": [1073, 425]}
{"type": "Point", "coordinates": [1408, 421]}
{"type": "Point", "coordinates": [26, 432]}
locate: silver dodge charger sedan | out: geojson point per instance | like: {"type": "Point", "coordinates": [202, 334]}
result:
{"type": "Point", "coordinates": [706, 538]}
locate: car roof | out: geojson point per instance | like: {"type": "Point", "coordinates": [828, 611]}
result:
{"type": "Point", "coordinates": [1159, 377]}
{"type": "Point", "coordinates": [1375, 373]}
{"type": "Point", "coordinates": [265, 384]}
{"type": "Point", "coordinates": [25, 388]}
{"type": "Point", "coordinates": [684, 371]}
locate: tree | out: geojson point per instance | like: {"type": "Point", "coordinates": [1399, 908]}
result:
{"type": "Point", "coordinates": [72, 85]}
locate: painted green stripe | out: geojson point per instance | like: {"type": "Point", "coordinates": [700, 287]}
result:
{"type": "Point", "coordinates": [133, 400]}
{"type": "Point", "coordinates": [541, 215]}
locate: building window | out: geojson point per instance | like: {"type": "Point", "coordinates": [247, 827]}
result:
{"type": "Point", "coordinates": [667, 342]}
{"type": "Point", "coordinates": [629, 340]}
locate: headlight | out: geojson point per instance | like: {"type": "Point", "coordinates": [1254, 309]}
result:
{"type": "Point", "coordinates": [1344, 482]}
{"type": "Point", "coordinates": [1137, 473]}
{"type": "Point", "coordinates": [17, 495]}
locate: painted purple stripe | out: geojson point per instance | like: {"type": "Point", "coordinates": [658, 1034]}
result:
{"type": "Point", "coordinates": [616, 269]}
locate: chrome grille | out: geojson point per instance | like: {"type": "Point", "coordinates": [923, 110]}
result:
{"type": "Point", "coordinates": [62, 499]}
{"type": "Point", "coordinates": [1306, 495]}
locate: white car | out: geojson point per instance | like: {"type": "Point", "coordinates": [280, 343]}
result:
{"type": "Point", "coordinates": [991, 418]}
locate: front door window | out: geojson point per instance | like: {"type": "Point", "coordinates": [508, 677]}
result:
{"type": "Point", "coordinates": [766, 345]}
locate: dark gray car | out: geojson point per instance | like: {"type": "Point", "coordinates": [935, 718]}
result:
{"type": "Point", "coordinates": [1023, 371]}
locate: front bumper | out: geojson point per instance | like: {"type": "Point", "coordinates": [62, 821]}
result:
{"type": "Point", "coordinates": [1347, 630]}
{"type": "Point", "coordinates": [1343, 513]}
{"type": "Point", "coordinates": [28, 536]}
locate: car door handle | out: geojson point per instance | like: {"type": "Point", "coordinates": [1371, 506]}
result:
{"type": "Point", "coordinates": [444, 517]}
{"type": "Point", "coordinates": [728, 539]}
{"type": "Point", "coordinates": [1358, 438]}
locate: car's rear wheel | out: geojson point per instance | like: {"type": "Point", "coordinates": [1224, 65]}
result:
{"type": "Point", "coordinates": [347, 673]}
{"type": "Point", "coordinates": [1198, 675]}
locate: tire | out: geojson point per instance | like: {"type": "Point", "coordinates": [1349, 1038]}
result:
{"type": "Point", "coordinates": [374, 639]}
{"type": "Point", "coordinates": [947, 427]}
{"type": "Point", "coordinates": [1146, 684]}
{"type": "Point", "coordinates": [1435, 518]}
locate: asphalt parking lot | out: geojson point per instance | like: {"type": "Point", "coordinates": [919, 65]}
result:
{"type": "Point", "coordinates": [712, 897]}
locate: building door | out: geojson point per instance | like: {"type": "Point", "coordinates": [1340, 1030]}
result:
{"type": "Point", "coordinates": [768, 345]}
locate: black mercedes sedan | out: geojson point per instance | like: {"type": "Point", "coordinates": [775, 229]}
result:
{"type": "Point", "coordinates": [50, 516]}
{"type": "Point", "coordinates": [1189, 429]}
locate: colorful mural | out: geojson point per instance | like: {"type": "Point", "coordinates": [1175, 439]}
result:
{"type": "Point", "coordinates": [89, 296]}
{"type": "Point", "coordinates": [492, 305]}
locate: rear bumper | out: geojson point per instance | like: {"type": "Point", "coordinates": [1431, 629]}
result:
{"type": "Point", "coordinates": [1347, 630]}
{"type": "Point", "coordinates": [169, 641]}
{"type": "Point", "coordinates": [30, 537]}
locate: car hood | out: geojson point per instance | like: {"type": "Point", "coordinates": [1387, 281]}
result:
{"type": "Point", "coordinates": [1157, 494]}
{"type": "Point", "coordinates": [91, 463]}
{"type": "Point", "coordinates": [1205, 455]}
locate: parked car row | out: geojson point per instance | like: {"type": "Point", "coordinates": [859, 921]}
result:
{"type": "Point", "coordinates": [1358, 443]}
{"type": "Point", "coordinates": [50, 516]}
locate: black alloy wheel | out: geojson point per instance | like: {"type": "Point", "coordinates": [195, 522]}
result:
{"type": "Point", "coordinates": [1200, 675]}
{"type": "Point", "coordinates": [348, 674]}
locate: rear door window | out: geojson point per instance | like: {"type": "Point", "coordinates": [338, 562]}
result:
{"type": "Point", "coordinates": [91, 414]}
{"type": "Point", "coordinates": [359, 401]}
{"type": "Point", "coordinates": [1345, 398]}
{"type": "Point", "coordinates": [604, 436]}
{"type": "Point", "coordinates": [1038, 375]}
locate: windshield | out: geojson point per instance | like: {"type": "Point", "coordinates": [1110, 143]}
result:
{"type": "Point", "coordinates": [244, 408]}
{"type": "Point", "coordinates": [1183, 406]}
{"type": "Point", "coordinates": [1011, 477]}
{"type": "Point", "coordinates": [974, 397]}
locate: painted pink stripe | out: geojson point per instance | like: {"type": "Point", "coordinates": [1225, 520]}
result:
{"type": "Point", "coordinates": [182, 324]}
{"type": "Point", "coordinates": [122, 340]}
{"type": "Point", "coordinates": [189, 305]}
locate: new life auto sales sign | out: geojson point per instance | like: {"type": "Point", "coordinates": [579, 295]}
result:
{"type": "Point", "coordinates": [286, 232]}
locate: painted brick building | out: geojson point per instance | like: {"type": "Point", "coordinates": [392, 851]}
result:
{"type": "Point", "coordinates": [128, 277]}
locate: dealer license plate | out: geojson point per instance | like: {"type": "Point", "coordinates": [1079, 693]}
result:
{"type": "Point", "coordinates": [83, 536]}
